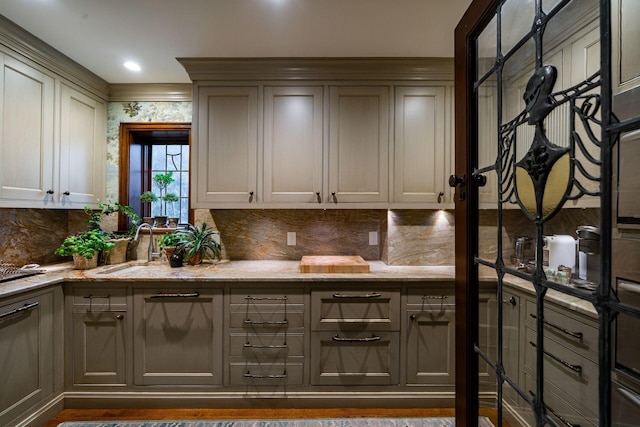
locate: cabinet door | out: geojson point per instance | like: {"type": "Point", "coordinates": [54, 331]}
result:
{"type": "Point", "coordinates": [419, 144]}
{"type": "Point", "coordinates": [359, 144]}
{"type": "Point", "coordinates": [178, 337]}
{"type": "Point", "coordinates": [26, 355]}
{"type": "Point", "coordinates": [293, 144]}
{"type": "Point", "coordinates": [99, 347]}
{"type": "Point", "coordinates": [26, 135]}
{"type": "Point", "coordinates": [226, 147]}
{"type": "Point", "coordinates": [82, 149]}
{"type": "Point", "coordinates": [431, 345]}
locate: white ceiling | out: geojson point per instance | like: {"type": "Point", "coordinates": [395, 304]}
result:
{"type": "Point", "coordinates": [103, 34]}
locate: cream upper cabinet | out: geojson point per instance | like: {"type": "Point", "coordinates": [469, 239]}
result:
{"type": "Point", "coordinates": [52, 140]}
{"type": "Point", "coordinates": [293, 144]}
{"type": "Point", "coordinates": [26, 135]}
{"type": "Point", "coordinates": [419, 145]}
{"type": "Point", "coordinates": [359, 144]}
{"type": "Point", "coordinates": [225, 165]}
{"type": "Point", "coordinates": [82, 148]}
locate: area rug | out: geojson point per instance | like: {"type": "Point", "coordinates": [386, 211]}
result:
{"type": "Point", "coordinates": [311, 422]}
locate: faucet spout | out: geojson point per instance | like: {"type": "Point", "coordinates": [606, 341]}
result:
{"type": "Point", "coordinates": [150, 253]}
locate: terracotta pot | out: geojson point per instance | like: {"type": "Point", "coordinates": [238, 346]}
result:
{"type": "Point", "coordinates": [195, 260]}
{"type": "Point", "coordinates": [169, 250]}
{"type": "Point", "coordinates": [82, 263]}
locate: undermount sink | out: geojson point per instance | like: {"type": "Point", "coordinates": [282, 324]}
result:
{"type": "Point", "coordinates": [126, 267]}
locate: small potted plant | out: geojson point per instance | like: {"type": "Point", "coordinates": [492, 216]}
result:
{"type": "Point", "coordinates": [162, 181]}
{"type": "Point", "coordinates": [168, 243]}
{"type": "Point", "coordinates": [196, 241]}
{"type": "Point", "coordinates": [172, 199]}
{"type": "Point", "coordinates": [148, 197]}
{"type": "Point", "coordinates": [84, 248]}
{"type": "Point", "coordinates": [121, 240]}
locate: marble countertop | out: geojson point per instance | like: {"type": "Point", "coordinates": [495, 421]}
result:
{"type": "Point", "coordinates": [259, 271]}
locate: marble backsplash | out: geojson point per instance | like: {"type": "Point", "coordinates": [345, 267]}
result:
{"type": "Point", "coordinates": [405, 237]}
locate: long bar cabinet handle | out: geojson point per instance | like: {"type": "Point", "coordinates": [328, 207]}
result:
{"type": "Point", "coordinates": [575, 368]}
{"type": "Point", "coordinates": [367, 295]}
{"type": "Point", "coordinates": [248, 374]}
{"type": "Point", "coordinates": [559, 328]}
{"type": "Point", "coordinates": [441, 297]}
{"type": "Point", "coordinates": [249, 345]}
{"type": "Point", "coordinates": [25, 307]}
{"type": "Point", "coordinates": [260, 323]}
{"type": "Point", "coordinates": [96, 296]}
{"type": "Point", "coordinates": [176, 295]}
{"type": "Point", "coordinates": [560, 417]}
{"type": "Point", "coordinates": [250, 298]}
{"type": "Point", "coordinates": [366, 339]}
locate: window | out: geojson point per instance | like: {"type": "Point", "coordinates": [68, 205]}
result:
{"type": "Point", "coordinates": [148, 149]}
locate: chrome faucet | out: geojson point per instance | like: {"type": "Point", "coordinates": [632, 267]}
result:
{"type": "Point", "coordinates": [150, 253]}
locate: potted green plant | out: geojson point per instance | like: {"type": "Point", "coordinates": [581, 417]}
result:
{"type": "Point", "coordinates": [172, 199]}
{"type": "Point", "coordinates": [84, 248]}
{"type": "Point", "coordinates": [148, 197]}
{"type": "Point", "coordinates": [121, 240]}
{"type": "Point", "coordinates": [168, 243]}
{"type": "Point", "coordinates": [196, 241]}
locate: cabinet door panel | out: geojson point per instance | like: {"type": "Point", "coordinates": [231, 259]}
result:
{"type": "Point", "coordinates": [359, 144]}
{"type": "Point", "coordinates": [99, 348]}
{"type": "Point", "coordinates": [419, 144]}
{"type": "Point", "coordinates": [26, 355]}
{"type": "Point", "coordinates": [431, 346]}
{"type": "Point", "coordinates": [227, 145]}
{"type": "Point", "coordinates": [26, 133]}
{"type": "Point", "coordinates": [354, 358]}
{"type": "Point", "coordinates": [178, 338]}
{"type": "Point", "coordinates": [292, 144]}
{"type": "Point", "coordinates": [82, 148]}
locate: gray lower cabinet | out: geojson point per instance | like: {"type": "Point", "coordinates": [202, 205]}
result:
{"type": "Point", "coordinates": [178, 335]}
{"type": "Point", "coordinates": [29, 337]}
{"type": "Point", "coordinates": [266, 337]}
{"type": "Point", "coordinates": [355, 338]}
{"type": "Point", "coordinates": [98, 338]}
{"type": "Point", "coordinates": [430, 320]}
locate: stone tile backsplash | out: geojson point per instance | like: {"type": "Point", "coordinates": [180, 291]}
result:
{"type": "Point", "coordinates": [405, 237]}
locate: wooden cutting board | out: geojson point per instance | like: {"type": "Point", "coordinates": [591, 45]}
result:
{"type": "Point", "coordinates": [333, 264]}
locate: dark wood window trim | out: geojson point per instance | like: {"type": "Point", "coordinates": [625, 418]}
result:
{"type": "Point", "coordinates": [127, 138]}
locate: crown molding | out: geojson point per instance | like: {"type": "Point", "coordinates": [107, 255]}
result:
{"type": "Point", "coordinates": [239, 69]}
{"type": "Point", "coordinates": [151, 92]}
{"type": "Point", "coordinates": [26, 45]}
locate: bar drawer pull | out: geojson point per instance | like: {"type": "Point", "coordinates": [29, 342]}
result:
{"type": "Point", "coordinates": [440, 297]}
{"type": "Point", "coordinates": [268, 377]}
{"type": "Point", "coordinates": [25, 307]}
{"type": "Point", "coordinates": [249, 345]}
{"type": "Point", "coordinates": [269, 323]}
{"type": "Point", "coordinates": [559, 328]}
{"type": "Point", "coordinates": [575, 368]}
{"type": "Point", "coordinates": [90, 297]}
{"type": "Point", "coordinates": [367, 295]}
{"type": "Point", "coordinates": [250, 298]}
{"type": "Point", "coordinates": [176, 295]}
{"type": "Point", "coordinates": [366, 339]}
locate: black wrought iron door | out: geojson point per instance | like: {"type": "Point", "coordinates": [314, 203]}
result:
{"type": "Point", "coordinates": [535, 140]}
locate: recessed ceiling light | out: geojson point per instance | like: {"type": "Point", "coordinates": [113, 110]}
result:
{"type": "Point", "coordinates": [130, 65]}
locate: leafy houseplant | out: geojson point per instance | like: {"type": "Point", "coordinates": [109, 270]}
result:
{"type": "Point", "coordinates": [161, 180]}
{"type": "Point", "coordinates": [195, 242]}
{"type": "Point", "coordinates": [85, 246]}
{"type": "Point", "coordinates": [168, 243]}
{"type": "Point", "coordinates": [172, 199]}
{"type": "Point", "coordinates": [118, 254]}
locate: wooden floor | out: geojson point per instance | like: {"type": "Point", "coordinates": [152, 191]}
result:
{"type": "Point", "coordinates": [224, 414]}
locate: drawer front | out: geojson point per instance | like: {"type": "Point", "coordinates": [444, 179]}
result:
{"type": "Point", "coordinates": [264, 320]}
{"type": "Point", "coordinates": [563, 412]}
{"type": "Point", "coordinates": [266, 374]}
{"type": "Point", "coordinates": [570, 373]}
{"type": "Point", "coordinates": [431, 299]}
{"type": "Point", "coordinates": [357, 308]}
{"type": "Point", "coordinates": [253, 296]}
{"type": "Point", "coordinates": [261, 346]}
{"type": "Point", "coordinates": [355, 358]}
{"type": "Point", "coordinates": [572, 333]}
{"type": "Point", "coordinates": [99, 299]}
